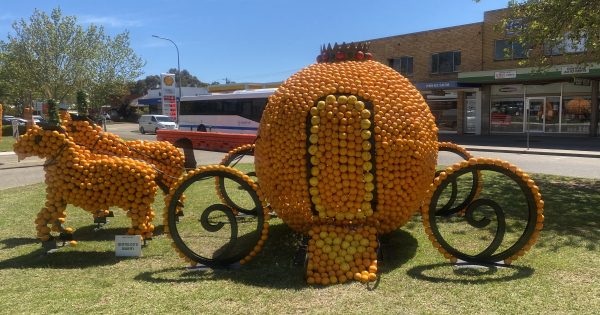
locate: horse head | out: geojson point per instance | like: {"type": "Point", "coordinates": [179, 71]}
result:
{"type": "Point", "coordinates": [43, 141]}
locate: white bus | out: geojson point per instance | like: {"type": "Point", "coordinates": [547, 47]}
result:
{"type": "Point", "coordinates": [236, 112]}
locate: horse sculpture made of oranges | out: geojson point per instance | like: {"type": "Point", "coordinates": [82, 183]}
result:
{"type": "Point", "coordinates": [75, 175]}
{"type": "Point", "coordinates": [94, 170]}
{"type": "Point", "coordinates": [346, 152]}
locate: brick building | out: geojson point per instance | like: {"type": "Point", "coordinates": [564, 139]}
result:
{"type": "Point", "coordinates": [473, 86]}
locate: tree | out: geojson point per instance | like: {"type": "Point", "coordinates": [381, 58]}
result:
{"type": "Point", "coordinates": [142, 86]}
{"type": "Point", "coordinates": [53, 57]}
{"type": "Point", "coordinates": [187, 79]}
{"type": "Point", "coordinates": [570, 28]}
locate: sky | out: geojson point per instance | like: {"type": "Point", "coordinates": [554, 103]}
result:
{"type": "Point", "coordinates": [250, 40]}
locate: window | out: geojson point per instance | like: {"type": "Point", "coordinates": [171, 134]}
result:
{"type": "Point", "coordinates": [247, 108]}
{"type": "Point", "coordinates": [444, 112]}
{"type": "Point", "coordinates": [507, 50]}
{"type": "Point", "coordinates": [506, 114]}
{"type": "Point", "coordinates": [404, 65]}
{"type": "Point", "coordinates": [445, 62]}
{"type": "Point", "coordinates": [568, 44]}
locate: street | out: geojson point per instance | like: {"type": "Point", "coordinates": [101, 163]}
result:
{"type": "Point", "coordinates": [545, 164]}
{"type": "Point", "coordinates": [30, 171]}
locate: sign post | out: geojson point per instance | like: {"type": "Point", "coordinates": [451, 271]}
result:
{"type": "Point", "coordinates": [15, 128]}
{"type": "Point", "coordinates": [527, 122]}
{"type": "Point", "coordinates": [169, 95]}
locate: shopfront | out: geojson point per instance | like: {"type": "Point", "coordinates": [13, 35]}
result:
{"type": "Point", "coordinates": [456, 108]}
{"type": "Point", "coordinates": [563, 100]}
{"type": "Point", "coordinates": [561, 107]}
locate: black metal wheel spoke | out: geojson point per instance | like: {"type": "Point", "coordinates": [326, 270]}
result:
{"type": "Point", "coordinates": [491, 253]}
{"type": "Point", "coordinates": [448, 208]}
{"type": "Point", "coordinates": [214, 219]}
{"type": "Point", "coordinates": [231, 160]}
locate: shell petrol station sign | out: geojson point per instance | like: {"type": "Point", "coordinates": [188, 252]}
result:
{"type": "Point", "coordinates": [169, 97]}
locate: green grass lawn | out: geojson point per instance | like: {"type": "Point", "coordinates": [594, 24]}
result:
{"type": "Point", "coordinates": [559, 275]}
{"type": "Point", "coordinates": [6, 143]}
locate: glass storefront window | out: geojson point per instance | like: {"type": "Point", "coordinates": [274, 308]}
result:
{"type": "Point", "coordinates": [576, 114]}
{"type": "Point", "coordinates": [506, 115]}
{"type": "Point", "coordinates": [445, 113]}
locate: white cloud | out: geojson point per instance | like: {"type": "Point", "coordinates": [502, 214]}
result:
{"type": "Point", "coordinates": [110, 21]}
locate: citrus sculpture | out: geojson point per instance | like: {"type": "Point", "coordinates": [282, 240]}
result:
{"type": "Point", "coordinates": [346, 152]}
{"type": "Point", "coordinates": [95, 170]}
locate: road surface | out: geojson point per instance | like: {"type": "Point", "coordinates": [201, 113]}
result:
{"type": "Point", "coordinates": [13, 174]}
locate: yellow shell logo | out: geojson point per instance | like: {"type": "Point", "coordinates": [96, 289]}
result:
{"type": "Point", "coordinates": [168, 80]}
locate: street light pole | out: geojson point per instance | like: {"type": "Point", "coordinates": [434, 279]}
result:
{"type": "Point", "coordinates": [179, 74]}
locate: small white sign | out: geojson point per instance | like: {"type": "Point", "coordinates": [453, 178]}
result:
{"type": "Point", "coordinates": [511, 74]}
{"type": "Point", "coordinates": [128, 246]}
{"type": "Point", "coordinates": [574, 69]}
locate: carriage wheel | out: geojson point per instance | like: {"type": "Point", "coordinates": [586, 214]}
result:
{"type": "Point", "coordinates": [230, 160]}
{"type": "Point", "coordinates": [476, 177]}
{"type": "Point", "coordinates": [212, 234]}
{"type": "Point", "coordinates": [498, 230]}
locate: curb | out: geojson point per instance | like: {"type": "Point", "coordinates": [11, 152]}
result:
{"type": "Point", "coordinates": [20, 166]}
{"type": "Point", "coordinates": [535, 152]}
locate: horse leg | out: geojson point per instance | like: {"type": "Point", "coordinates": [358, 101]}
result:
{"type": "Point", "coordinates": [141, 222]}
{"type": "Point", "coordinates": [43, 218]}
{"type": "Point", "coordinates": [58, 218]}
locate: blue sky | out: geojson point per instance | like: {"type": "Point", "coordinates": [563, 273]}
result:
{"type": "Point", "coordinates": [251, 40]}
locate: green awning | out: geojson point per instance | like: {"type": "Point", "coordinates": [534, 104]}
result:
{"type": "Point", "coordinates": [556, 73]}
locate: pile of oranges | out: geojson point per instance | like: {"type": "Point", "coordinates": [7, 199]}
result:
{"type": "Point", "coordinates": [346, 144]}
{"type": "Point", "coordinates": [338, 254]}
{"type": "Point", "coordinates": [94, 182]}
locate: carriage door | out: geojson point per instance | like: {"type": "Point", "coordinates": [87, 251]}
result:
{"type": "Point", "coordinates": [534, 114]}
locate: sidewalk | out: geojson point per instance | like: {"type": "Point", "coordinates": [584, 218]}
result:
{"type": "Point", "coordinates": [8, 160]}
{"type": "Point", "coordinates": [579, 146]}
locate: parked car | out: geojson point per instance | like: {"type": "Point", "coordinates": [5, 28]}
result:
{"type": "Point", "coordinates": [7, 119]}
{"type": "Point", "coordinates": [38, 119]}
{"type": "Point", "coordinates": [152, 123]}
{"type": "Point", "coordinates": [21, 121]}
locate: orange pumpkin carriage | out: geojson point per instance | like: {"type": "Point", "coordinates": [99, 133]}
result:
{"type": "Point", "coordinates": [346, 152]}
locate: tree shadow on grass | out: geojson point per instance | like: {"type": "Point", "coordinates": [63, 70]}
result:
{"type": "Point", "coordinates": [571, 207]}
{"type": "Point", "coordinates": [571, 213]}
{"type": "Point", "coordinates": [92, 233]}
{"type": "Point", "coordinates": [61, 260]}
{"type": "Point", "coordinates": [275, 267]}
{"type": "Point", "coordinates": [478, 275]}
{"type": "Point", "coordinates": [17, 241]}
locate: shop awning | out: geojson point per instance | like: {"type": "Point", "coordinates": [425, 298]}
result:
{"type": "Point", "coordinates": [521, 75]}
{"type": "Point", "coordinates": [149, 101]}
{"type": "Point", "coordinates": [443, 85]}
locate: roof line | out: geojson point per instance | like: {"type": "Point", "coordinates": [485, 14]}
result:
{"type": "Point", "coordinates": [425, 31]}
